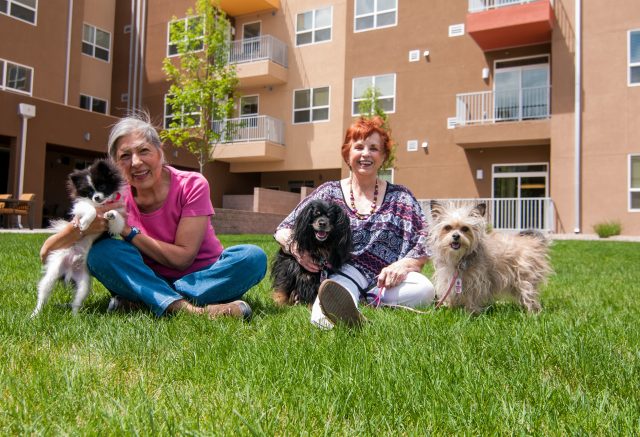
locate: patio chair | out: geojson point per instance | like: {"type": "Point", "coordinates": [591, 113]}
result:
{"type": "Point", "coordinates": [23, 206]}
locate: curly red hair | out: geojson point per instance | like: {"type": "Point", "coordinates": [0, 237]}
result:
{"type": "Point", "coordinates": [361, 129]}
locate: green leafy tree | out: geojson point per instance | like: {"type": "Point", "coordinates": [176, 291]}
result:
{"type": "Point", "coordinates": [202, 81]}
{"type": "Point", "coordinates": [370, 107]}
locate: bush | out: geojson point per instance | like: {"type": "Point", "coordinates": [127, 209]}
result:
{"type": "Point", "coordinates": [607, 229]}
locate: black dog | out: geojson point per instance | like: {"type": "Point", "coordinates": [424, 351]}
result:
{"type": "Point", "coordinates": [322, 230]}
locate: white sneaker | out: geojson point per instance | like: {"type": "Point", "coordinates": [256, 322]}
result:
{"type": "Point", "coordinates": [338, 306]}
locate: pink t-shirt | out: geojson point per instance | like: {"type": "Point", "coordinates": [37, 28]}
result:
{"type": "Point", "coordinates": [188, 197]}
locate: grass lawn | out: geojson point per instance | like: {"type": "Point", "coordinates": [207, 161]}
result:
{"type": "Point", "coordinates": [573, 369]}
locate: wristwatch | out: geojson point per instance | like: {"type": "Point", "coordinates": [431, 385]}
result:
{"type": "Point", "coordinates": [132, 234]}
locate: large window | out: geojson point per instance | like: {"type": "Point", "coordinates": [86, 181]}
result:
{"type": "Point", "coordinates": [634, 57]}
{"type": "Point", "coordinates": [386, 86]}
{"type": "Point", "coordinates": [313, 26]}
{"type": "Point", "coordinates": [15, 77]}
{"type": "Point", "coordinates": [374, 14]}
{"type": "Point", "coordinates": [311, 105]}
{"type": "Point", "coordinates": [634, 182]}
{"type": "Point", "coordinates": [93, 104]}
{"type": "Point", "coordinates": [177, 35]}
{"type": "Point", "coordinates": [182, 118]}
{"type": "Point", "coordinates": [96, 42]}
{"type": "Point", "coordinates": [24, 10]}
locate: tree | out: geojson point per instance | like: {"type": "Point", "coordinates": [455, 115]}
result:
{"type": "Point", "coordinates": [370, 107]}
{"type": "Point", "coordinates": [202, 81]}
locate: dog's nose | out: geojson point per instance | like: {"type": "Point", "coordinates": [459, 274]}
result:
{"type": "Point", "coordinates": [323, 222]}
{"type": "Point", "coordinates": [455, 236]}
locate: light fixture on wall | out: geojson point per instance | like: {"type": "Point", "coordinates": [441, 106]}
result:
{"type": "Point", "coordinates": [485, 73]}
{"type": "Point", "coordinates": [426, 55]}
{"type": "Point", "coordinates": [87, 136]}
{"type": "Point", "coordinates": [425, 144]}
{"type": "Point", "coordinates": [479, 174]}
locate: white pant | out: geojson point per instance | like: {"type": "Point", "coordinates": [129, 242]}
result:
{"type": "Point", "coordinates": [415, 290]}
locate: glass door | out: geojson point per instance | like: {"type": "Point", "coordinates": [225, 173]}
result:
{"type": "Point", "coordinates": [519, 192]}
{"type": "Point", "coordinates": [251, 39]}
{"type": "Point", "coordinates": [521, 89]}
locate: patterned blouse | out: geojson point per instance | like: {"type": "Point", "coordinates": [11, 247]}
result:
{"type": "Point", "coordinates": [398, 228]}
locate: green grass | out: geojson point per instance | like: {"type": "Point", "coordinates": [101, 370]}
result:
{"type": "Point", "coordinates": [573, 369]}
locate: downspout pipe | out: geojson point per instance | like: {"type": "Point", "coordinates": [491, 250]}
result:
{"type": "Point", "coordinates": [68, 60]}
{"type": "Point", "coordinates": [25, 111]}
{"type": "Point", "coordinates": [578, 121]}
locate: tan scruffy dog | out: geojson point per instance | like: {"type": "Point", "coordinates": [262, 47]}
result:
{"type": "Point", "coordinates": [474, 268]}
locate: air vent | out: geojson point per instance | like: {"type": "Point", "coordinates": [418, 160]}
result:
{"type": "Point", "coordinates": [414, 55]}
{"type": "Point", "coordinates": [412, 145]}
{"type": "Point", "coordinates": [452, 122]}
{"type": "Point", "coordinates": [456, 30]}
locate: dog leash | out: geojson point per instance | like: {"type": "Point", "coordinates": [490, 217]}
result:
{"type": "Point", "coordinates": [454, 280]}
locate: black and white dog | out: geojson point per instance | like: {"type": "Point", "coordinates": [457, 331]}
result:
{"type": "Point", "coordinates": [97, 185]}
{"type": "Point", "coordinates": [323, 231]}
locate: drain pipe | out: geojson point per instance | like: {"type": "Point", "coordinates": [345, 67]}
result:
{"type": "Point", "coordinates": [68, 55]}
{"type": "Point", "coordinates": [578, 119]}
{"type": "Point", "coordinates": [25, 111]}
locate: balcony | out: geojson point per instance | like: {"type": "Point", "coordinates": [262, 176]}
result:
{"type": "Point", "coordinates": [497, 24]}
{"type": "Point", "coordinates": [259, 61]}
{"type": "Point", "coordinates": [236, 8]}
{"type": "Point", "coordinates": [250, 139]}
{"type": "Point", "coordinates": [514, 116]}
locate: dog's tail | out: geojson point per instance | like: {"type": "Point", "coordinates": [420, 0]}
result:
{"type": "Point", "coordinates": [532, 233]}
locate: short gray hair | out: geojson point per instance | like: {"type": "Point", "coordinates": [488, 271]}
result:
{"type": "Point", "coordinates": [139, 122]}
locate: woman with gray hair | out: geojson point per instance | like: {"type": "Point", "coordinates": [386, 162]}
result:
{"type": "Point", "coordinates": [169, 258]}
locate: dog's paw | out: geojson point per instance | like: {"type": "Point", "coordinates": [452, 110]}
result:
{"type": "Point", "coordinates": [110, 215]}
{"type": "Point", "coordinates": [116, 222]}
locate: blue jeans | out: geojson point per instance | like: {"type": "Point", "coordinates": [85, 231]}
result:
{"type": "Point", "coordinates": [119, 266]}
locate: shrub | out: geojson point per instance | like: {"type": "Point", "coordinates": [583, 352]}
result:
{"type": "Point", "coordinates": [607, 229]}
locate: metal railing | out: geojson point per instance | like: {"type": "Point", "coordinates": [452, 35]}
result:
{"type": "Point", "coordinates": [503, 105]}
{"type": "Point", "coordinates": [265, 47]}
{"type": "Point", "coordinates": [510, 214]}
{"type": "Point", "coordinates": [485, 5]}
{"type": "Point", "coordinates": [247, 129]}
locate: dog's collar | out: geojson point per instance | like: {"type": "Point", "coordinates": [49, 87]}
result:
{"type": "Point", "coordinates": [114, 200]}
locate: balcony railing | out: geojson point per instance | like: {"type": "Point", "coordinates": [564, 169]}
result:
{"type": "Point", "coordinates": [503, 105]}
{"type": "Point", "coordinates": [261, 48]}
{"type": "Point", "coordinates": [248, 129]}
{"type": "Point", "coordinates": [511, 214]}
{"type": "Point", "coordinates": [485, 5]}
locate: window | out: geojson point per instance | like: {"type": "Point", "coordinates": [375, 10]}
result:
{"type": "Point", "coordinates": [386, 85]}
{"type": "Point", "coordinates": [634, 182]}
{"type": "Point", "coordinates": [634, 57]}
{"type": "Point", "coordinates": [386, 175]}
{"type": "Point", "coordinates": [182, 118]}
{"type": "Point", "coordinates": [249, 106]}
{"type": "Point", "coordinates": [177, 35]}
{"type": "Point", "coordinates": [96, 42]}
{"type": "Point", "coordinates": [296, 186]}
{"type": "Point", "coordinates": [15, 77]}
{"type": "Point", "coordinates": [93, 104]}
{"type": "Point", "coordinates": [313, 26]}
{"type": "Point", "coordinates": [375, 14]}
{"type": "Point", "coordinates": [24, 10]}
{"type": "Point", "coordinates": [311, 105]}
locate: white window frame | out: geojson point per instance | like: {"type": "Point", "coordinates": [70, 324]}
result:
{"type": "Point", "coordinates": [391, 174]}
{"type": "Point", "coordinates": [375, 14]}
{"type": "Point", "coordinates": [166, 116]}
{"type": "Point", "coordinates": [631, 189]}
{"type": "Point", "coordinates": [4, 79]}
{"type": "Point", "coordinates": [94, 45]}
{"type": "Point", "coordinates": [91, 99]}
{"type": "Point", "coordinates": [373, 83]}
{"type": "Point", "coordinates": [186, 23]}
{"type": "Point", "coordinates": [631, 64]}
{"type": "Point", "coordinates": [311, 108]}
{"type": "Point", "coordinates": [314, 29]}
{"type": "Point", "coordinates": [22, 5]}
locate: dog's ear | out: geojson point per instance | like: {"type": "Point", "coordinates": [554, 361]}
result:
{"type": "Point", "coordinates": [436, 209]}
{"type": "Point", "coordinates": [74, 181]}
{"type": "Point", "coordinates": [480, 209]}
{"type": "Point", "coordinates": [301, 233]}
{"type": "Point", "coordinates": [344, 241]}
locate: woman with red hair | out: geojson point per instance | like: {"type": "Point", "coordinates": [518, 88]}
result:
{"type": "Point", "coordinates": [389, 234]}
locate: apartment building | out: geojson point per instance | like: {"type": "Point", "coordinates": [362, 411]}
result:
{"type": "Point", "coordinates": [481, 97]}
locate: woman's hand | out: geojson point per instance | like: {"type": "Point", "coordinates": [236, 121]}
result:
{"type": "Point", "coordinates": [397, 272]}
{"type": "Point", "coordinates": [304, 259]}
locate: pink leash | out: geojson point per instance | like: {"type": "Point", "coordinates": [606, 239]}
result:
{"type": "Point", "coordinates": [453, 281]}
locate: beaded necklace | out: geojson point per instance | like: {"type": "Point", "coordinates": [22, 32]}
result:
{"type": "Point", "coordinates": [353, 201]}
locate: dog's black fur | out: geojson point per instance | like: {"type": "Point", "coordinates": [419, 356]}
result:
{"type": "Point", "coordinates": [292, 284]}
